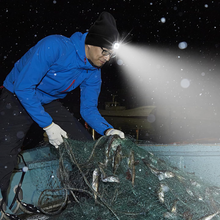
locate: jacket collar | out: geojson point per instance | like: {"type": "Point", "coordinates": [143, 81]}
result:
{"type": "Point", "coordinates": [78, 40]}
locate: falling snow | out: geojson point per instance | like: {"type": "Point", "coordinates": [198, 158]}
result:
{"type": "Point", "coordinates": [179, 63]}
{"type": "Point", "coordinates": [185, 83]}
{"type": "Point", "coordinates": [182, 45]}
{"type": "Point", "coordinates": [163, 20]}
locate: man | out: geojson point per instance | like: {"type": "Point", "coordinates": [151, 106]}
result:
{"type": "Point", "coordinates": [47, 72]}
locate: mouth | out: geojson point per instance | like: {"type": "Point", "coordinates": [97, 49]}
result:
{"type": "Point", "coordinates": [102, 62]}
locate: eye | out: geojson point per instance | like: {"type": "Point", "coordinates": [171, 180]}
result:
{"type": "Point", "coordinates": [105, 51]}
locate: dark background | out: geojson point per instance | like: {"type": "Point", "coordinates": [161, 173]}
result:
{"type": "Point", "coordinates": [23, 23]}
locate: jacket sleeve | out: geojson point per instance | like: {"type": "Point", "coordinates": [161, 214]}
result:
{"type": "Point", "coordinates": [33, 66]}
{"type": "Point", "coordinates": [90, 90]}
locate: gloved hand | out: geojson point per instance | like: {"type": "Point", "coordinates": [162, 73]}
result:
{"type": "Point", "coordinates": [55, 134]}
{"type": "Point", "coordinates": [113, 131]}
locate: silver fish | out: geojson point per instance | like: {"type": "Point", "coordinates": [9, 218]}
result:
{"type": "Point", "coordinates": [95, 181]}
{"type": "Point", "coordinates": [107, 151]}
{"type": "Point", "coordinates": [174, 208]}
{"type": "Point", "coordinates": [161, 174]}
{"type": "Point", "coordinates": [106, 178]}
{"type": "Point", "coordinates": [161, 195]}
{"type": "Point", "coordinates": [200, 198]}
{"type": "Point", "coordinates": [169, 174]}
{"type": "Point", "coordinates": [209, 217]}
{"type": "Point", "coordinates": [163, 188]}
{"type": "Point", "coordinates": [153, 170]}
{"type": "Point", "coordinates": [111, 179]}
{"type": "Point", "coordinates": [189, 192]}
{"type": "Point", "coordinates": [165, 175]}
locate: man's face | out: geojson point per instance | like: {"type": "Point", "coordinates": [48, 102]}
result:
{"type": "Point", "coordinates": [95, 55]}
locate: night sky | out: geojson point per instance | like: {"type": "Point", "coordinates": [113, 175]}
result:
{"type": "Point", "coordinates": [24, 23]}
{"type": "Point", "coordinates": [159, 23]}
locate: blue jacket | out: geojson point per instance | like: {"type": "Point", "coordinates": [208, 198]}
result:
{"type": "Point", "coordinates": [48, 71]}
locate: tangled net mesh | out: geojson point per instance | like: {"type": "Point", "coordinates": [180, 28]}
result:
{"type": "Point", "coordinates": [115, 179]}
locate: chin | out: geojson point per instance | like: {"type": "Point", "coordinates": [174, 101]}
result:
{"type": "Point", "coordinates": [100, 65]}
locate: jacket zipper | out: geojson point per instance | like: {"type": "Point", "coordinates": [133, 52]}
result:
{"type": "Point", "coordinates": [69, 86]}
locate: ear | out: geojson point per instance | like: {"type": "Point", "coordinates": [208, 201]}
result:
{"type": "Point", "coordinates": [87, 47]}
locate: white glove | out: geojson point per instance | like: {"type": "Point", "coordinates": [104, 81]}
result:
{"type": "Point", "coordinates": [115, 131]}
{"type": "Point", "coordinates": [55, 134]}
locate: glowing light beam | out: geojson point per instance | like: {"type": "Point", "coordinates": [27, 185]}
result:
{"type": "Point", "coordinates": [178, 82]}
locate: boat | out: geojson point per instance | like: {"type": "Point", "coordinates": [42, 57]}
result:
{"type": "Point", "coordinates": [37, 182]}
{"type": "Point", "coordinates": [165, 123]}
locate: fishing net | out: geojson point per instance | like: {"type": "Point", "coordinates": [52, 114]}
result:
{"type": "Point", "coordinates": [114, 178]}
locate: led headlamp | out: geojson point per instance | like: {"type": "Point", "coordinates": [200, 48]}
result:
{"type": "Point", "coordinates": [116, 45]}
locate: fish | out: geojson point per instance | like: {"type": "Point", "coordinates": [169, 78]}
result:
{"type": "Point", "coordinates": [209, 217]}
{"type": "Point", "coordinates": [189, 192]}
{"type": "Point", "coordinates": [111, 179]}
{"type": "Point", "coordinates": [152, 169]}
{"type": "Point", "coordinates": [168, 174]}
{"type": "Point", "coordinates": [161, 192]}
{"type": "Point", "coordinates": [199, 197]}
{"type": "Point", "coordinates": [165, 175]}
{"type": "Point", "coordinates": [174, 208]}
{"type": "Point", "coordinates": [117, 159]}
{"type": "Point", "coordinates": [159, 173]}
{"type": "Point", "coordinates": [106, 178]}
{"type": "Point", "coordinates": [131, 164]}
{"type": "Point", "coordinates": [107, 151]}
{"type": "Point", "coordinates": [95, 181]}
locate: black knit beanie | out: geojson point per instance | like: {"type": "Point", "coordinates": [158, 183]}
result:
{"type": "Point", "coordinates": [103, 33]}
